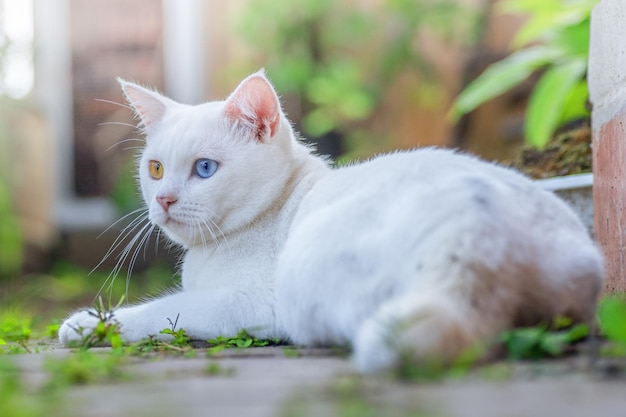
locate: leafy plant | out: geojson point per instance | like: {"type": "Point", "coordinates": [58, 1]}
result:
{"type": "Point", "coordinates": [15, 333]}
{"type": "Point", "coordinates": [180, 342]}
{"type": "Point", "coordinates": [16, 400]}
{"type": "Point", "coordinates": [106, 332]}
{"type": "Point", "coordinates": [339, 58]}
{"type": "Point", "coordinates": [543, 341]}
{"type": "Point", "coordinates": [180, 336]}
{"type": "Point", "coordinates": [10, 229]}
{"type": "Point", "coordinates": [555, 40]}
{"type": "Point", "coordinates": [85, 367]}
{"type": "Point", "coordinates": [215, 369]}
{"type": "Point", "coordinates": [242, 340]}
{"type": "Point", "coordinates": [612, 321]}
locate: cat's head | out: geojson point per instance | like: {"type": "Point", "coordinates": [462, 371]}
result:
{"type": "Point", "coordinates": [211, 169]}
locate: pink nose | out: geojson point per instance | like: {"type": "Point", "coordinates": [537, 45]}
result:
{"type": "Point", "coordinates": [166, 202]}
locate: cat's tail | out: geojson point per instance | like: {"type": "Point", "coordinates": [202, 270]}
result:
{"type": "Point", "coordinates": [431, 328]}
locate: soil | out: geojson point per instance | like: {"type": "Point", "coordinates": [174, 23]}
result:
{"type": "Point", "coordinates": [568, 153]}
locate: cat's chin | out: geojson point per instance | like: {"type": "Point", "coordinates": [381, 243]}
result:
{"type": "Point", "coordinates": [175, 230]}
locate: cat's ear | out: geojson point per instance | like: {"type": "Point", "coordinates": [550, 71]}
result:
{"type": "Point", "coordinates": [255, 105]}
{"type": "Point", "coordinates": [148, 105]}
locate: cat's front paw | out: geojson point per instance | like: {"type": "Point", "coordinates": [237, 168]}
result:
{"type": "Point", "coordinates": [79, 326]}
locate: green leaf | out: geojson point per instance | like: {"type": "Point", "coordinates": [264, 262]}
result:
{"type": "Point", "coordinates": [575, 105]}
{"type": "Point", "coordinates": [578, 332]}
{"type": "Point", "coordinates": [573, 40]}
{"type": "Point", "coordinates": [547, 100]}
{"type": "Point", "coordinates": [501, 77]}
{"type": "Point", "coordinates": [553, 343]}
{"type": "Point", "coordinates": [612, 318]}
{"type": "Point", "coordinates": [523, 343]}
{"type": "Point", "coordinates": [547, 18]}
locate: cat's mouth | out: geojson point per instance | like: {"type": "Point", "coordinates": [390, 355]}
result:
{"type": "Point", "coordinates": [170, 221]}
{"type": "Point", "coordinates": [166, 220]}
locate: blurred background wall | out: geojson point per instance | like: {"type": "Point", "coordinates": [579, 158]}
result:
{"type": "Point", "coordinates": [359, 77]}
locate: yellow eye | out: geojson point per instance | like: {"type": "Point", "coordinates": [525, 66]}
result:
{"type": "Point", "coordinates": [156, 169]}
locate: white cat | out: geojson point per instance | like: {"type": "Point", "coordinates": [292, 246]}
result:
{"type": "Point", "coordinates": [420, 253]}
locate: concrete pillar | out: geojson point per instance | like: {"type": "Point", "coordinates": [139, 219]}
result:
{"type": "Point", "coordinates": [184, 49]}
{"type": "Point", "coordinates": [607, 88]}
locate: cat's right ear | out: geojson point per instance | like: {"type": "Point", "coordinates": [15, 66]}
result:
{"type": "Point", "coordinates": [149, 106]}
{"type": "Point", "coordinates": [255, 105]}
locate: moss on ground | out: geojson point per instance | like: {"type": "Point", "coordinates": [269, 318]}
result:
{"type": "Point", "coordinates": [568, 153]}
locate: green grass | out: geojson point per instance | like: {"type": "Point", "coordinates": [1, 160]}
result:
{"type": "Point", "coordinates": [23, 329]}
{"type": "Point", "coordinates": [16, 400]}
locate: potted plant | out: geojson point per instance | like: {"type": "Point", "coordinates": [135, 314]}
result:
{"type": "Point", "coordinates": [554, 42]}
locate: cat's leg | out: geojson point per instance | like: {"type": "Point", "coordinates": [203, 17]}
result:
{"type": "Point", "coordinates": [422, 328]}
{"type": "Point", "coordinates": [480, 303]}
{"type": "Point", "coordinates": [203, 315]}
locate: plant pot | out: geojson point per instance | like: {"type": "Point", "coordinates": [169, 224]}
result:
{"type": "Point", "coordinates": [576, 191]}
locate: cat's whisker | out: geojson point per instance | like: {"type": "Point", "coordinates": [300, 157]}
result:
{"type": "Point", "coordinates": [117, 124]}
{"type": "Point", "coordinates": [133, 259]}
{"type": "Point", "coordinates": [210, 223]}
{"type": "Point", "coordinates": [157, 240]}
{"type": "Point", "coordinates": [121, 142]}
{"type": "Point", "coordinates": [202, 238]}
{"type": "Point", "coordinates": [114, 102]}
{"type": "Point", "coordinates": [122, 219]}
{"type": "Point", "coordinates": [110, 280]}
{"type": "Point", "coordinates": [125, 233]}
{"type": "Point", "coordinates": [139, 236]}
{"type": "Point", "coordinates": [121, 258]}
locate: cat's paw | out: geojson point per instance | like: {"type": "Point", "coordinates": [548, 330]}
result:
{"type": "Point", "coordinates": [78, 326]}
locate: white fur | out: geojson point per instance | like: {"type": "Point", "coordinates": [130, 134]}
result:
{"type": "Point", "coordinates": [420, 253]}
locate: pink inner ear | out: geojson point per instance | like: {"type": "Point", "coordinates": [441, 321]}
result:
{"type": "Point", "coordinates": [256, 103]}
{"type": "Point", "coordinates": [143, 114]}
{"type": "Point", "coordinates": [148, 105]}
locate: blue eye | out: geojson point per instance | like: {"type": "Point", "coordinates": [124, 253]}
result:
{"type": "Point", "coordinates": [205, 168]}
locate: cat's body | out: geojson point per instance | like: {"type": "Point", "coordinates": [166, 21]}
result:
{"type": "Point", "coordinates": [423, 252]}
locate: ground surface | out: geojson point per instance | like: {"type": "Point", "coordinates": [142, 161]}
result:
{"type": "Point", "coordinates": [270, 381]}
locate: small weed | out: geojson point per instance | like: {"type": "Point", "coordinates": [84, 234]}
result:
{"type": "Point", "coordinates": [52, 330]}
{"type": "Point", "coordinates": [612, 321]}
{"type": "Point", "coordinates": [106, 332]}
{"type": "Point", "coordinates": [215, 369]}
{"type": "Point", "coordinates": [15, 334]}
{"type": "Point", "coordinates": [242, 340]}
{"type": "Point", "coordinates": [180, 336]}
{"type": "Point", "coordinates": [291, 352]}
{"type": "Point", "coordinates": [85, 367]}
{"type": "Point", "coordinates": [16, 400]}
{"type": "Point", "coordinates": [180, 343]}
{"type": "Point", "coordinates": [543, 341]}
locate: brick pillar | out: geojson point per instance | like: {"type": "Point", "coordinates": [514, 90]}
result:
{"type": "Point", "coordinates": [607, 88]}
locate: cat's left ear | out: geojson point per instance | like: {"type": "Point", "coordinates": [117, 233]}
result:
{"type": "Point", "coordinates": [148, 105]}
{"type": "Point", "coordinates": [255, 105]}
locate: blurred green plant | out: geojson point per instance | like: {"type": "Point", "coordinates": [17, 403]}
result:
{"type": "Point", "coordinates": [542, 341]}
{"type": "Point", "coordinates": [339, 58]}
{"type": "Point", "coordinates": [555, 40]}
{"type": "Point", "coordinates": [17, 399]}
{"type": "Point", "coordinates": [612, 321]}
{"type": "Point", "coordinates": [125, 194]}
{"type": "Point", "coordinates": [10, 229]}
